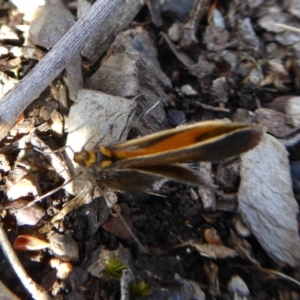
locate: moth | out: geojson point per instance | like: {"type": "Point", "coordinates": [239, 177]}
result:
{"type": "Point", "coordinates": [141, 163]}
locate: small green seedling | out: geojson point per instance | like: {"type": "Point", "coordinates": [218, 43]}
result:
{"type": "Point", "coordinates": [140, 289]}
{"type": "Point", "coordinates": [114, 268]}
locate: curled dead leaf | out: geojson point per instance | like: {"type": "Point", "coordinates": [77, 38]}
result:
{"type": "Point", "coordinates": [27, 242]}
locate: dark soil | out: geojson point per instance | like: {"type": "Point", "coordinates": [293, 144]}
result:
{"type": "Point", "coordinates": [166, 224]}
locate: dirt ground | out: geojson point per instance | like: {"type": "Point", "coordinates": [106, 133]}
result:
{"type": "Point", "coordinates": [162, 65]}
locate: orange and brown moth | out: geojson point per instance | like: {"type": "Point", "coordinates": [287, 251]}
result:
{"type": "Point", "coordinates": [138, 164]}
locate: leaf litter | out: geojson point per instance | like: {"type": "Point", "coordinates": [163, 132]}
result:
{"type": "Point", "coordinates": [232, 78]}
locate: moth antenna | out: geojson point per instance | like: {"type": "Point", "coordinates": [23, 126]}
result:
{"type": "Point", "coordinates": [52, 151]}
{"type": "Point", "coordinates": [61, 149]}
{"type": "Point", "coordinates": [68, 147]}
{"type": "Point", "coordinates": [51, 192]}
{"type": "Point", "coordinates": [141, 247]}
{"type": "Point", "coordinates": [109, 204]}
{"type": "Point", "coordinates": [155, 194]}
{"type": "Point", "coordinates": [66, 209]}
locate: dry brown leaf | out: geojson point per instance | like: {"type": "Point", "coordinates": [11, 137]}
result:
{"type": "Point", "coordinates": [210, 250]}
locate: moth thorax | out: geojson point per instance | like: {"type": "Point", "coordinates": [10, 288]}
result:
{"type": "Point", "coordinates": [104, 158]}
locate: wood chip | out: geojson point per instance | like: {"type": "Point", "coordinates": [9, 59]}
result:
{"type": "Point", "coordinates": [29, 215]}
{"type": "Point", "coordinates": [6, 83]}
{"type": "Point", "coordinates": [274, 121]}
{"type": "Point", "coordinates": [292, 111]}
{"type": "Point", "coordinates": [23, 188]}
{"type": "Point", "coordinates": [207, 193]}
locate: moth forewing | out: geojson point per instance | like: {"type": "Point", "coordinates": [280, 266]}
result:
{"type": "Point", "coordinates": [176, 138]}
{"type": "Point", "coordinates": [224, 145]}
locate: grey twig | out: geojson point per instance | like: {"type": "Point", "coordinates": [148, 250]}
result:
{"type": "Point", "coordinates": [29, 88]}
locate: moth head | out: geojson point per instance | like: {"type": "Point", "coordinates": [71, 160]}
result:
{"type": "Point", "coordinates": [96, 159]}
{"type": "Point", "coordinates": [85, 158]}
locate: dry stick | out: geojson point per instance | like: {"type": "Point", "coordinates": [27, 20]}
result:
{"type": "Point", "coordinates": [5, 292]}
{"type": "Point", "coordinates": [289, 28]}
{"type": "Point", "coordinates": [29, 88]}
{"type": "Point", "coordinates": [36, 291]}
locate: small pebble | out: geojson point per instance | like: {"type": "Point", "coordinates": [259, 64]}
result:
{"type": "Point", "coordinates": [238, 286]}
{"type": "Point", "coordinates": [175, 32]}
{"type": "Point", "coordinates": [188, 90]}
{"type": "Point", "coordinates": [292, 111]}
{"type": "Point", "coordinates": [175, 117]}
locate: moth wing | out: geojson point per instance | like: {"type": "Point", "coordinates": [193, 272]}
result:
{"type": "Point", "coordinates": [179, 136]}
{"type": "Point", "coordinates": [147, 179]}
{"type": "Point", "coordinates": [176, 172]}
{"type": "Point", "coordinates": [133, 182]}
{"type": "Point", "coordinates": [220, 147]}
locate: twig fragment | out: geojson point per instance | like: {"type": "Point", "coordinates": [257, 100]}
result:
{"type": "Point", "coordinates": [36, 291]}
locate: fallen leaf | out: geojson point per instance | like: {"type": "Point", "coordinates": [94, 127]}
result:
{"type": "Point", "coordinates": [27, 242]}
{"type": "Point", "coordinates": [210, 250]}
{"type": "Point", "coordinates": [267, 202]}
